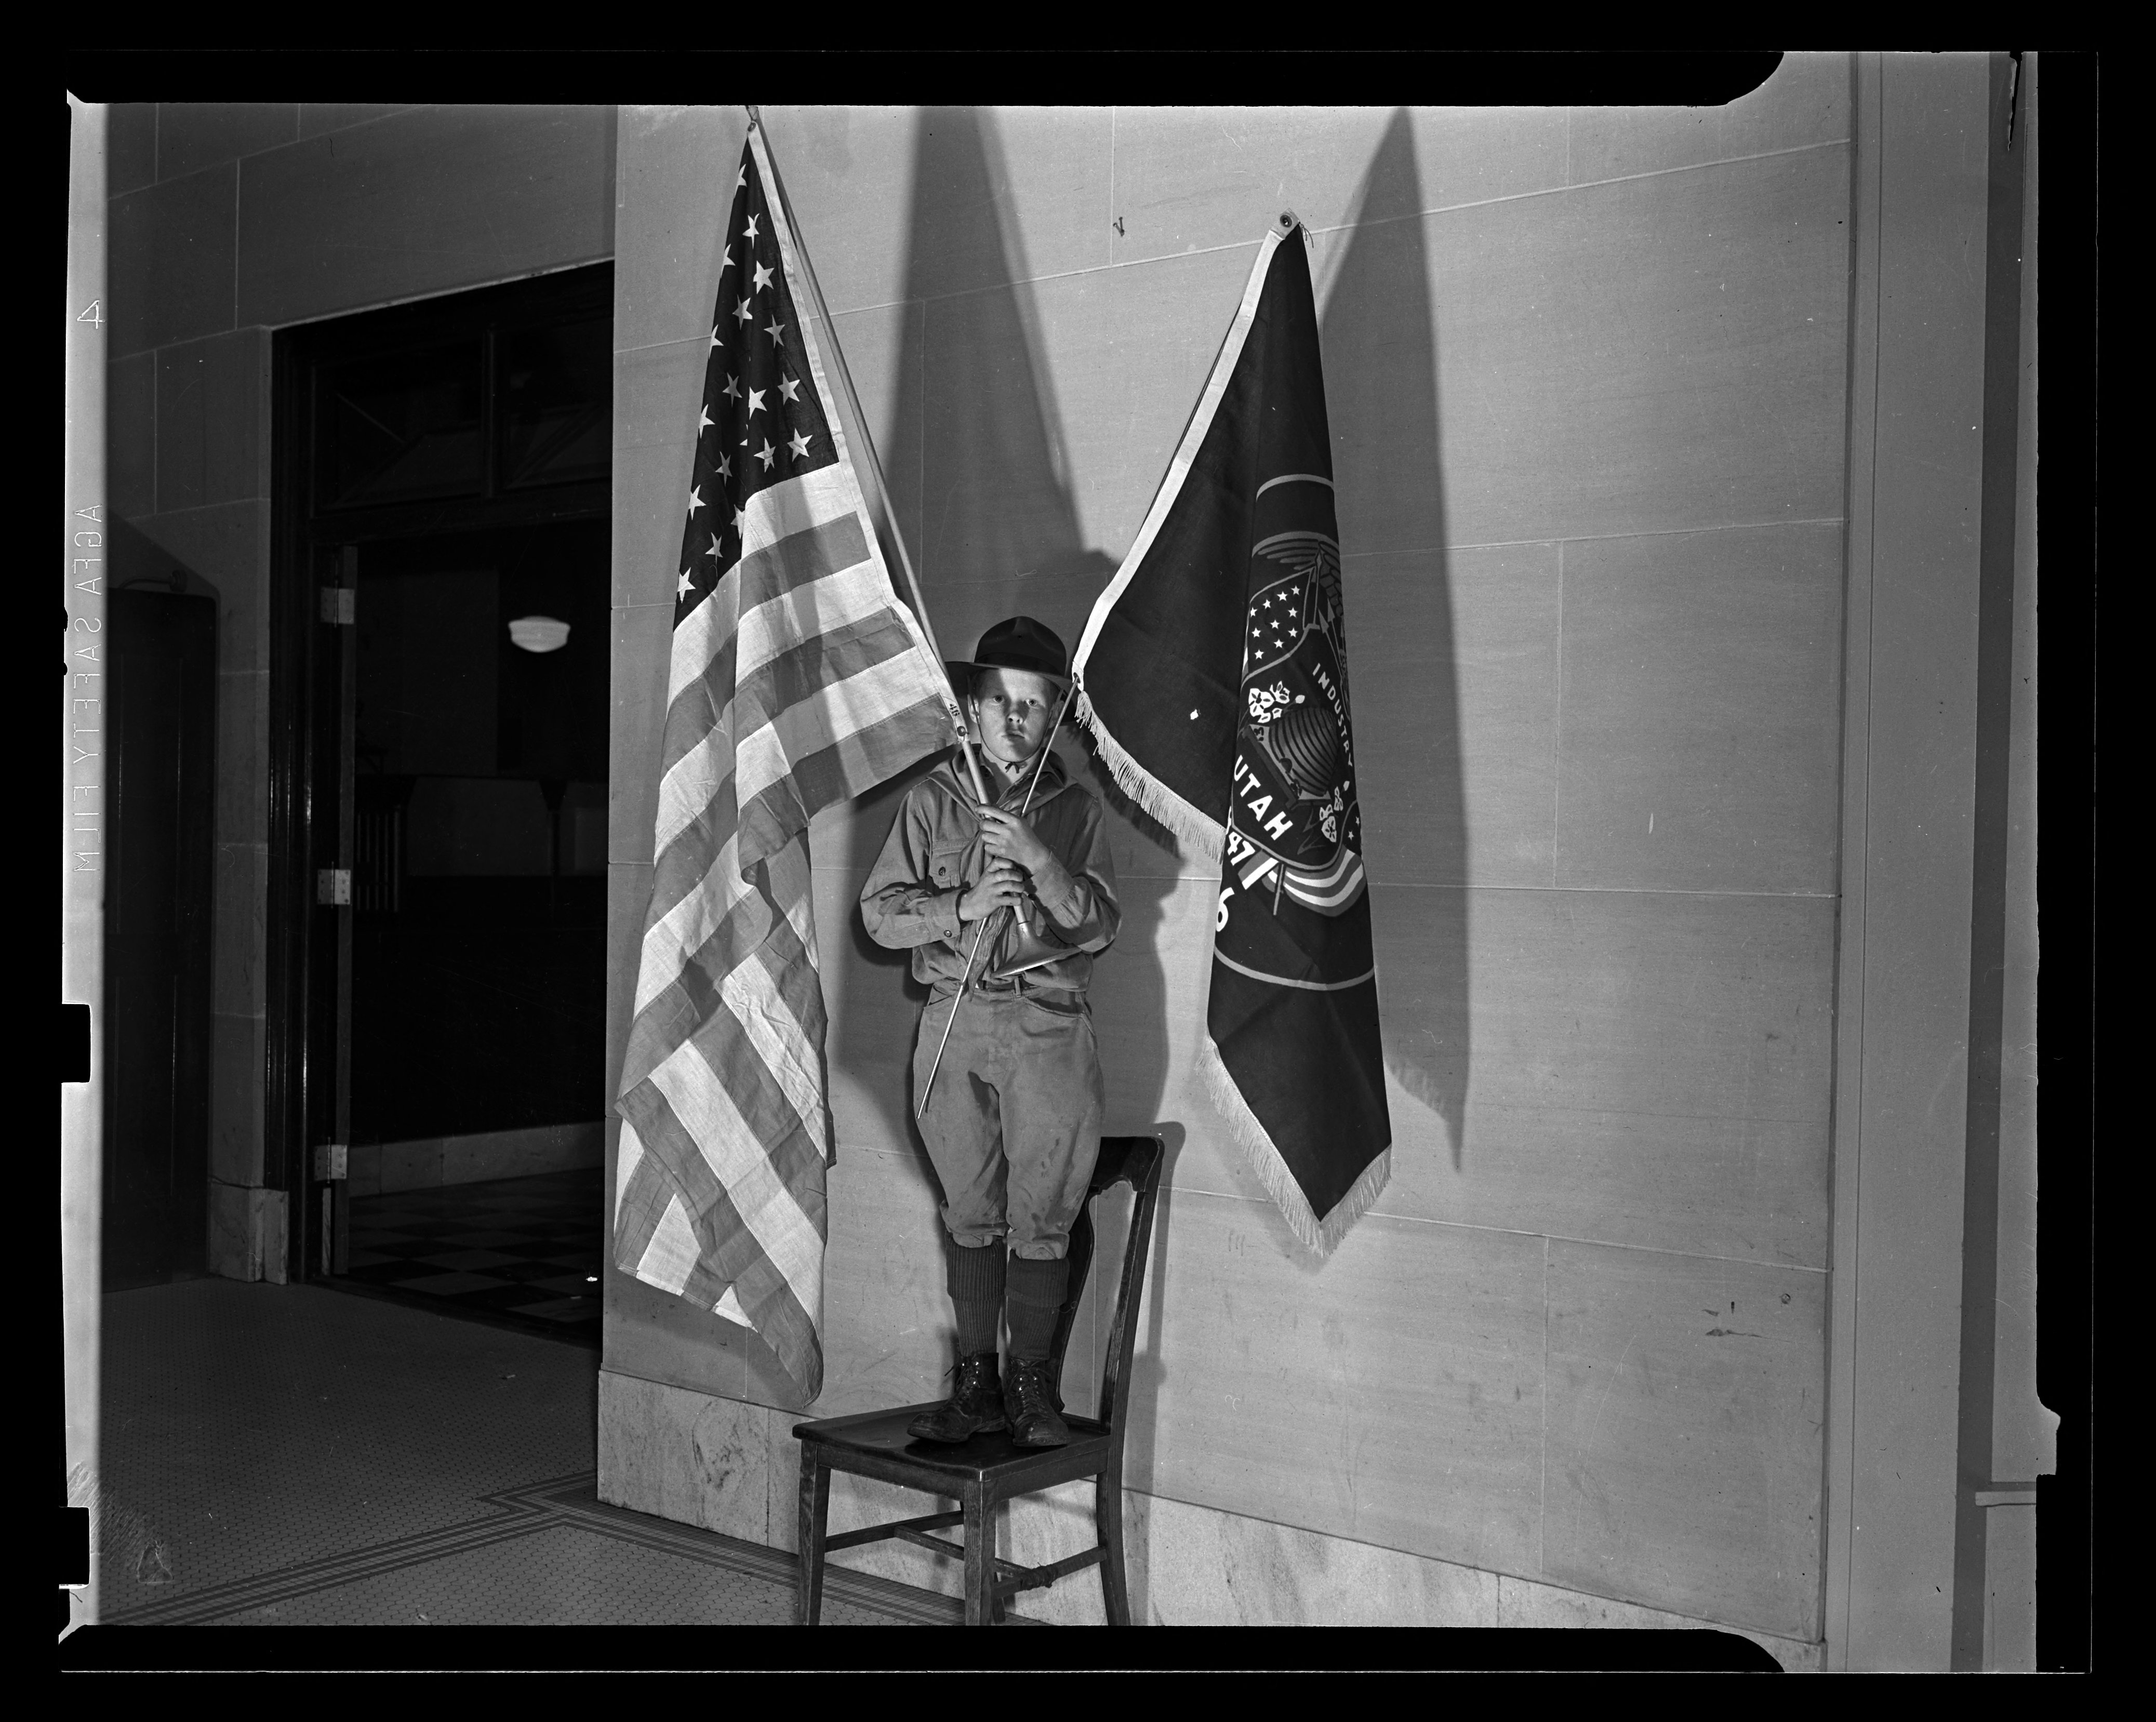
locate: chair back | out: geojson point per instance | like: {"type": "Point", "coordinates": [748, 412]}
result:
{"type": "Point", "coordinates": [1135, 1161]}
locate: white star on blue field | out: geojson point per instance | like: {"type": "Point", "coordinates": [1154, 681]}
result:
{"type": "Point", "coordinates": [762, 420]}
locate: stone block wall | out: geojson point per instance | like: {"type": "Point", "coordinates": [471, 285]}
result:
{"type": "Point", "coordinates": [1586, 376]}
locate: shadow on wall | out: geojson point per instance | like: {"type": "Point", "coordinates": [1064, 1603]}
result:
{"type": "Point", "coordinates": [999, 534]}
{"type": "Point", "coordinates": [1378, 331]}
{"type": "Point", "coordinates": [134, 558]}
{"type": "Point", "coordinates": [975, 421]}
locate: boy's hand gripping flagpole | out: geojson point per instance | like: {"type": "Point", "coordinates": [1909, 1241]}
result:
{"type": "Point", "coordinates": [952, 705]}
{"type": "Point", "coordinates": [981, 925]}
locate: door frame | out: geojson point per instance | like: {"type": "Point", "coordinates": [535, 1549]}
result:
{"type": "Point", "coordinates": [308, 766]}
{"type": "Point", "coordinates": [1915, 1385]}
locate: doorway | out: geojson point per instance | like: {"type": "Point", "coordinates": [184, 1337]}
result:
{"type": "Point", "coordinates": [160, 714]}
{"type": "Point", "coordinates": [438, 793]}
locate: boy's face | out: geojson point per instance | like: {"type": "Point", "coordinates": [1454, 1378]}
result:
{"type": "Point", "coordinates": [1011, 710]}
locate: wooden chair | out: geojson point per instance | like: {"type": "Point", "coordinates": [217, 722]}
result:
{"type": "Point", "coordinates": [988, 1470]}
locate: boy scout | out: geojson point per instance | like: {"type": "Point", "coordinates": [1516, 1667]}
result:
{"type": "Point", "coordinates": [1013, 1117]}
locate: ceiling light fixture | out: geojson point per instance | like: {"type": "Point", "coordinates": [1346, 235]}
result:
{"type": "Point", "coordinates": [539, 633]}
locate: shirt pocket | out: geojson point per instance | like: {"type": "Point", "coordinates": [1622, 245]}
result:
{"type": "Point", "coordinates": [946, 868]}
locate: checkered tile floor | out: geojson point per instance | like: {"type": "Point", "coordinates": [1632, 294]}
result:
{"type": "Point", "coordinates": [521, 1252]}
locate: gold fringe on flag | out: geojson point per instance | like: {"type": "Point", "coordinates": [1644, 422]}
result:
{"type": "Point", "coordinates": [1322, 1234]}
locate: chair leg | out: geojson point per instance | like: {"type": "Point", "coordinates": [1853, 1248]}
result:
{"type": "Point", "coordinates": [815, 1511]}
{"type": "Point", "coordinates": [1108, 1518]}
{"type": "Point", "coordinates": [980, 1558]}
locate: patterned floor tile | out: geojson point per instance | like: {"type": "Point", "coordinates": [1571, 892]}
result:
{"type": "Point", "coordinates": [524, 1273]}
{"type": "Point", "coordinates": [394, 1271]}
{"type": "Point", "coordinates": [247, 1428]}
{"type": "Point", "coordinates": [491, 1250]}
{"type": "Point", "coordinates": [564, 1576]}
{"type": "Point", "coordinates": [283, 1455]}
{"type": "Point", "coordinates": [508, 1300]}
{"type": "Point", "coordinates": [471, 1261]}
{"type": "Point", "coordinates": [450, 1285]}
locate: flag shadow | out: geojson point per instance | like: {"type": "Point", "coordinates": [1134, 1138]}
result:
{"type": "Point", "coordinates": [1378, 331]}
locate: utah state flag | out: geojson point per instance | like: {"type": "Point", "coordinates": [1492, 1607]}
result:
{"type": "Point", "coordinates": [1214, 676]}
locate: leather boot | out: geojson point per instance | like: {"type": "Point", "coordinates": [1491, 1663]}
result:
{"type": "Point", "coordinates": [1030, 1402]}
{"type": "Point", "coordinates": [975, 1404]}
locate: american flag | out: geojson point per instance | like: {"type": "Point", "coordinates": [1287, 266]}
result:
{"type": "Point", "coordinates": [798, 680]}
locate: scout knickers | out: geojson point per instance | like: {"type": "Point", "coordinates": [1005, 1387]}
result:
{"type": "Point", "coordinates": [1013, 1123]}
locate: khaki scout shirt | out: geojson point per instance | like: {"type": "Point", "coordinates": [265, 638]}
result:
{"type": "Point", "coordinates": [934, 853]}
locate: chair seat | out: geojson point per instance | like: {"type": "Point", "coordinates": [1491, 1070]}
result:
{"type": "Point", "coordinates": [880, 1438]}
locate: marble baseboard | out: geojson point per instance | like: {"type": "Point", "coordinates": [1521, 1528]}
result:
{"type": "Point", "coordinates": [1524, 1602]}
{"type": "Point", "coordinates": [377, 1168]}
{"type": "Point", "coordinates": [247, 1234]}
{"type": "Point", "coordinates": [276, 1212]}
{"type": "Point", "coordinates": [2010, 1588]}
{"type": "Point", "coordinates": [733, 1467]}
{"type": "Point", "coordinates": [685, 1456]}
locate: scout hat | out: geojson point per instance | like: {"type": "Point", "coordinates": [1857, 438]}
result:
{"type": "Point", "coordinates": [1020, 643]}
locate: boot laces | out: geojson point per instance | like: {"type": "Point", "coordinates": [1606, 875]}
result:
{"type": "Point", "coordinates": [1030, 1385]}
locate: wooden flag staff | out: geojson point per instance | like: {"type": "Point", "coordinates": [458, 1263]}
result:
{"type": "Point", "coordinates": [954, 707]}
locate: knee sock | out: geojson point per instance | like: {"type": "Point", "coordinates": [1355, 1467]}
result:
{"type": "Point", "coordinates": [1036, 1298]}
{"type": "Point", "coordinates": [977, 1288]}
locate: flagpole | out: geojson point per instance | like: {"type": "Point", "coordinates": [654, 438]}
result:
{"type": "Point", "coordinates": [868, 444]}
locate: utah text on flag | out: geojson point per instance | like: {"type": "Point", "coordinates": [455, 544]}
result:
{"type": "Point", "coordinates": [798, 680]}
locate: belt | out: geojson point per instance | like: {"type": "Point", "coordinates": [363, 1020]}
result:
{"type": "Point", "coordinates": [989, 983]}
